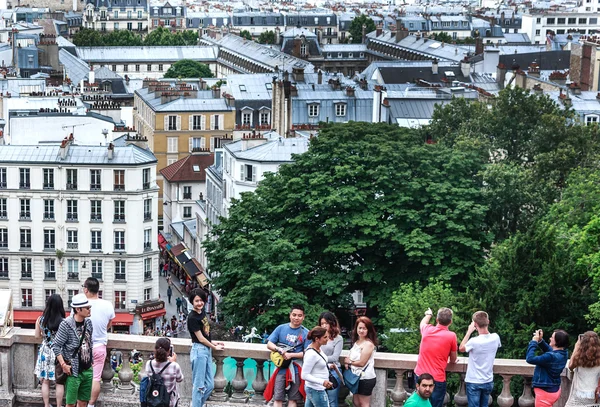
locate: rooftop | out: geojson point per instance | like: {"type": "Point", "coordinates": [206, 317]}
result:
{"type": "Point", "coordinates": [76, 155]}
{"type": "Point", "coordinates": [191, 168]}
{"type": "Point", "coordinates": [154, 54]}
{"type": "Point", "coordinates": [183, 103]}
{"type": "Point", "coordinates": [276, 149]}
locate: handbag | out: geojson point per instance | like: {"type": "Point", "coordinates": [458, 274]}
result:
{"type": "Point", "coordinates": [334, 382]}
{"type": "Point", "coordinates": [351, 379]}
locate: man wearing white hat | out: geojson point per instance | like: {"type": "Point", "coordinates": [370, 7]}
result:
{"type": "Point", "coordinates": [73, 349]}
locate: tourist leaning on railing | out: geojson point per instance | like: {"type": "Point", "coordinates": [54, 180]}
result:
{"type": "Point", "coordinates": [584, 367]}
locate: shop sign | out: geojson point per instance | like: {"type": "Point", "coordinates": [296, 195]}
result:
{"type": "Point", "coordinates": [150, 307]}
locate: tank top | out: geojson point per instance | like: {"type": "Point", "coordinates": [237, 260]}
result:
{"type": "Point", "coordinates": [355, 354]}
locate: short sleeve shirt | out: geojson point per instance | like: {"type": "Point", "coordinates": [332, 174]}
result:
{"type": "Point", "coordinates": [436, 344]}
{"type": "Point", "coordinates": [198, 322]}
{"type": "Point", "coordinates": [482, 352]}
{"type": "Point", "coordinates": [417, 401]}
{"type": "Point", "coordinates": [293, 337]}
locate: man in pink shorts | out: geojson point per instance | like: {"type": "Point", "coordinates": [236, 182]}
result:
{"type": "Point", "coordinates": [101, 317]}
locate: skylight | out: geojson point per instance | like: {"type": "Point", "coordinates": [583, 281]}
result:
{"type": "Point", "coordinates": [196, 168]}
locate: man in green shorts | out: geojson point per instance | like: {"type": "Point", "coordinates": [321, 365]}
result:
{"type": "Point", "coordinates": [420, 398]}
{"type": "Point", "coordinates": [73, 349]}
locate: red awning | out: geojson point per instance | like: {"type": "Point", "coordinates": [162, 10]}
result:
{"type": "Point", "coordinates": [122, 319]}
{"type": "Point", "coordinates": [162, 242]}
{"type": "Point", "coordinates": [26, 316]}
{"type": "Point", "coordinates": [154, 314]}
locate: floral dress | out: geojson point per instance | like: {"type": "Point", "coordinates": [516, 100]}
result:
{"type": "Point", "coordinates": [46, 359]}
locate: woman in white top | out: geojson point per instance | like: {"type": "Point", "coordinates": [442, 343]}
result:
{"type": "Point", "coordinates": [333, 350]}
{"type": "Point", "coordinates": [585, 365]}
{"type": "Point", "coordinates": [361, 360]}
{"type": "Point", "coordinates": [315, 371]}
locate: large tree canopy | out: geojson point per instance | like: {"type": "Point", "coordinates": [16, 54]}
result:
{"type": "Point", "coordinates": [356, 28]}
{"type": "Point", "coordinates": [367, 207]}
{"type": "Point", "coordinates": [161, 36]}
{"type": "Point", "coordinates": [187, 68]}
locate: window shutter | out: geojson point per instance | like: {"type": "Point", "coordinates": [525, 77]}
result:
{"type": "Point", "coordinates": [191, 144]}
{"type": "Point", "coordinates": [222, 121]}
{"type": "Point", "coordinates": [212, 122]}
{"type": "Point", "coordinates": [191, 123]}
{"type": "Point", "coordinates": [242, 172]}
{"type": "Point", "coordinates": [202, 142]}
{"type": "Point", "coordinates": [166, 124]}
{"type": "Point", "coordinates": [212, 144]}
{"type": "Point", "coordinates": [254, 173]}
{"type": "Point", "coordinates": [203, 122]}
{"type": "Point", "coordinates": [178, 122]}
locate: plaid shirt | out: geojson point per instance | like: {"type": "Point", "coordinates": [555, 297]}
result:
{"type": "Point", "coordinates": [171, 376]}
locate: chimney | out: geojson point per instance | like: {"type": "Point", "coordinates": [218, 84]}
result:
{"type": "Point", "coordinates": [478, 46]}
{"type": "Point", "coordinates": [434, 67]}
{"type": "Point", "coordinates": [575, 88]}
{"type": "Point", "coordinates": [64, 146]}
{"type": "Point", "coordinates": [401, 32]}
{"type": "Point", "coordinates": [379, 30]}
{"type": "Point", "coordinates": [465, 67]}
{"type": "Point", "coordinates": [320, 77]}
{"type": "Point", "coordinates": [111, 150]}
{"type": "Point", "coordinates": [136, 139]}
{"type": "Point", "coordinates": [364, 34]}
{"type": "Point", "coordinates": [534, 70]}
{"type": "Point", "coordinates": [298, 74]}
{"type": "Point", "coordinates": [501, 75]}
{"type": "Point", "coordinates": [349, 91]}
{"type": "Point", "coordinates": [91, 75]}
{"type": "Point", "coordinates": [216, 92]}
{"type": "Point", "coordinates": [537, 89]}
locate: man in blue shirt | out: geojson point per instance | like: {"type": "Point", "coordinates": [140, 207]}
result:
{"type": "Point", "coordinates": [289, 340]}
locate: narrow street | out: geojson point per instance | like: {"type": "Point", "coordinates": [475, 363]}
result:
{"type": "Point", "coordinates": [172, 307]}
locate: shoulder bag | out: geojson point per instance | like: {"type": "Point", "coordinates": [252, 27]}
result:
{"type": "Point", "coordinates": [351, 379]}
{"type": "Point", "coordinates": [332, 379]}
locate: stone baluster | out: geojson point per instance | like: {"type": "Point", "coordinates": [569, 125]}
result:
{"type": "Point", "coordinates": [460, 398]}
{"type": "Point", "coordinates": [218, 393]}
{"type": "Point", "coordinates": [107, 375]}
{"type": "Point", "coordinates": [526, 399]}
{"type": "Point", "coordinates": [399, 394]}
{"type": "Point", "coordinates": [259, 384]}
{"type": "Point", "coordinates": [239, 384]}
{"type": "Point", "coordinates": [505, 399]}
{"type": "Point", "coordinates": [125, 376]}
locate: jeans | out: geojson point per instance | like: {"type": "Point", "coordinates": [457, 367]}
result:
{"type": "Point", "coordinates": [438, 395]}
{"type": "Point", "coordinates": [316, 398]}
{"type": "Point", "coordinates": [478, 394]}
{"type": "Point", "coordinates": [332, 394]}
{"type": "Point", "coordinates": [202, 374]}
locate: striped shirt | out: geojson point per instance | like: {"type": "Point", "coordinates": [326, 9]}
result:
{"type": "Point", "coordinates": [171, 376]}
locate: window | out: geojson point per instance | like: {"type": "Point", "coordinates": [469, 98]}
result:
{"type": "Point", "coordinates": [538, 20]}
{"type": "Point", "coordinates": [560, 20]}
{"type": "Point", "coordinates": [119, 240]}
{"type": "Point", "coordinates": [3, 238]}
{"type": "Point", "coordinates": [125, 68]}
{"type": "Point", "coordinates": [25, 238]}
{"type": "Point", "coordinates": [3, 208]}
{"type": "Point", "coordinates": [537, 32]}
{"type": "Point", "coordinates": [172, 145]}
{"type": "Point", "coordinates": [198, 122]}
{"type": "Point", "coordinates": [95, 180]}
{"type": "Point", "coordinates": [4, 267]}
{"type": "Point", "coordinates": [116, 26]}
{"type": "Point", "coordinates": [187, 192]}
{"type": "Point", "coordinates": [2, 177]}
{"type": "Point", "coordinates": [196, 144]}
{"type": "Point", "coordinates": [48, 209]}
{"type": "Point", "coordinates": [593, 21]}
{"type": "Point", "coordinates": [71, 210]}
{"type": "Point", "coordinates": [24, 178]}
{"type": "Point", "coordinates": [49, 239]}
{"type": "Point", "coordinates": [149, 67]}
{"type": "Point", "coordinates": [248, 173]}
{"type": "Point", "coordinates": [48, 178]}
{"type": "Point", "coordinates": [120, 299]}
{"type": "Point", "coordinates": [119, 180]}
{"type": "Point", "coordinates": [70, 294]}
{"type": "Point", "coordinates": [96, 240]}
{"type": "Point", "coordinates": [137, 67]}
{"type": "Point", "coordinates": [313, 110]}
{"type": "Point", "coordinates": [97, 269]}
{"type": "Point", "coordinates": [265, 118]}
{"type": "Point", "coordinates": [119, 211]}
{"type": "Point", "coordinates": [26, 297]}
{"type": "Point", "coordinates": [147, 209]}
{"type": "Point", "coordinates": [572, 21]}
{"type": "Point", "coordinates": [95, 210]}
{"type": "Point", "coordinates": [160, 67]}
{"type": "Point", "coordinates": [71, 178]}
{"type": "Point", "coordinates": [49, 293]}
{"type": "Point", "coordinates": [72, 269]}
{"type": "Point", "coordinates": [116, 14]}
{"type": "Point", "coordinates": [114, 68]}
{"type": "Point", "coordinates": [25, 213]}
{"type": "Point", "coordinates": [25, 268]}
{"type": "Point", "coordinates": [303, 50]}
{"type": "Point", "coordinates": [146, 178]}
{"type": "Point", "coordinates": [171, 161]}
{"type": "Point", "coordinates": [139, 15]}
{"type": "Point", "coordinates": [582, 21]}
{"type": "Point", "coordinates": [147, 239]}
{"type": "Point", "coordinates": [340, 109]}
{"type": "Point", "coordinates": [120, 270]}
{"type": "Point", "coordinates": [215, 119]}
{"type": "Point", "coordinates": [147, 294]}
{"type": "Point", "coordinates": [591, 119]}
{"type": "Point", "coordinates": [246, 118]}
{"type": "Point", "coordinates": [72, 242]}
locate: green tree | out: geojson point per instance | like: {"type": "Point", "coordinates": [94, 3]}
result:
{"type": "Point", "coordinates": [267, 37]}
{"type": "Point", "coordinates": [443, 37]}
{"type": "Point", "coordinates": [246, 34]}
{"type": "Point", "coordinates": [367, 207]}
{"type": "Point", "coordinates": [87, 37]}
{"type": "Point", "coordinates": [356, 28]}
{"type": "Point", "coordinates": [187, 68]}
{"type": "Point", "coordinates": [122, 38]}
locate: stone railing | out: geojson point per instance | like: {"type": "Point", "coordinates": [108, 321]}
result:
{"type": "Point", "coordinates": [18, 384]}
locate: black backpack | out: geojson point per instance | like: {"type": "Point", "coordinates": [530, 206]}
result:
{"type": "Point", "coordinates": [157, 394]}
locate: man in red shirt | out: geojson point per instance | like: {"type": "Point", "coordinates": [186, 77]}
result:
{"type": "Point", "coordinates": [438, 347]}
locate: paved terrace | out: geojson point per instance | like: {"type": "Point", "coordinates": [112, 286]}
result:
{"type": "Point", "coordinates": [18, 384]}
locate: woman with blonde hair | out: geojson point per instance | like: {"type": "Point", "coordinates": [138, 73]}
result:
{"type": "Point", "coordinates": [585, 367]}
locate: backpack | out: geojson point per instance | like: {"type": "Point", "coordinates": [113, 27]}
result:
{"type": "Point", "coordinates": [157, 394]}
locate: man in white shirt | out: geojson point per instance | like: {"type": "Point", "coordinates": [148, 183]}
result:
{"type": "Point", "coordinates": [482, 352]}
{"type": "Point", "coordinates": [101, 317]}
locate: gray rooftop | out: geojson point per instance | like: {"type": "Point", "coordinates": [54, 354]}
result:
{"type": "Point", "coordinates": [423, 46]}
{"type": "Point", "coordinates": [250, 87]}
{"type": "Point", "coordinates": [344, 47]}
{"type": "Point", "coordinates": [275, 150]}
{"type": "Point", "coordinates": [75, 68]}
{"type": "Point", "coordinates": [183, 104]}
{"type": "Point", "coordinates": [150, 54]}
{"type": "Point", "coordinates": [76, 155]}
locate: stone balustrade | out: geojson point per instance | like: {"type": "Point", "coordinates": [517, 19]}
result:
{"type": "Point", "coordinates": [18, 384]}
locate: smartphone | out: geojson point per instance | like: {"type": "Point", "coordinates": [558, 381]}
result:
{"type": "Point", "coordinates": [580, 337]}
{"type": "Point", "coordinates": [171, 351]}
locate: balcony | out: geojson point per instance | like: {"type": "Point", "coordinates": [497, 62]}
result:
{"type": "Point", "coordinates": [187, 195]}
{"type": "Point", "coordinates": [73, 276]}
{"type": "Point", "coordinates": [147, 215]}
{"type": "Point", "coordinates": [72, 217]}
{"type": "Point", "coordinates": [95, 187]}
{"type": "Point", "coordinates": [24, 185]}
{"type": "Point", "coordinates": [119, 391]}
{"type": "Point", "coordinates": [3, 215]}
{"type": "Point", "coordinates": [49, 275]}
{"type": "Point", "coordinates": [97, 275]}
{"type": "Point", "coordinates": [147, 246]}
{"type": "Point", "coordinates": [72, 246]}
{"type": "Point", "coordinates": [146, 185]}
{"type": "Point", "coordinates": [49, 246]}
{"type": "Point", "coordinates": [120, 246]}
{"type": "Point", "coordinates": [119, 219]}
{"type": "Point", "coordinates": [48, 185]}
{"type": "Point", "coordinates": [48, 215]}
{"type": "Point", "coordinates": [253, 127]}
{"type": "Point", "coordinates": [25, 215]}
{"type": "Point", "coordinates": [3, 245]}
{"type": "Point", "coordinates": [96, 246]}
{"type": "Point", "coordinates": [119, 187]}
{"type": "Point", "coordinates": [72, 186]}
{"type": "Point", "coordinates": [95, 217]}
{"type": "Point", "coordinates": [329, 34]}
{"type": "Point", "coordinates": [25, 244]}
{"type": "Point", "coordinates": [3, 185]}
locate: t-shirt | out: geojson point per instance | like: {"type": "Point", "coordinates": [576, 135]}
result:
{"type": "Point", "coordinates": [436, 344]}
{"type": "Point", "coordinates": [285, 335]}
{"type": "Point", "coordinates": [198, 322]}
{"type": "Point", "coordinates": [417, 401]}
{"type": "Point", "coordinates": [482, 351]}
{"type": "Point", "coordinates": [85, 351]}
{"type": "Point", "coordinates": [101, 314]}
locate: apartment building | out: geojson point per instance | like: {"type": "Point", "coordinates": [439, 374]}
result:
{"type": "Point", "coordinates": [538, 25]}
{"type": "Point", "coordinates": [170, 14]}
{"type": "Point", "coordinates": [116, 15]}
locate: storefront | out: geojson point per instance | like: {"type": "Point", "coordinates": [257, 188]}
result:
{"type": "Point", "coordinates": [26, 318]}
{"type": "Point", "coordinates": [121, 323]}
{"type": "Point", "coordinates": [149, 312]}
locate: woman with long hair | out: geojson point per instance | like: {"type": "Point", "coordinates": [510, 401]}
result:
{"type": "Point", "coordinates": [171, 375]}
{"type": "Point", "coordinates": [45, 366]}
{"type": "Point", "coordinates": [315, 369]}
{"type": "Point", "coordinates": [361, 360]}
{"type": "Point", "coordinates": [585, 366]}
{"type": "Point", "coordinates": [332, 349]}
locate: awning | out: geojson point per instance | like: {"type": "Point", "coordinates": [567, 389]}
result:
{"type": "Point", "coordinates": [154, 314]}
{"type": "Point", "coordinates": [26, 316]}
{"type": "Point", "coordinates": [176, 250]}
{"type": "Point", "coordinates": [162, 242]}
{"type": "Point", "coordinates": [122, 319]}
